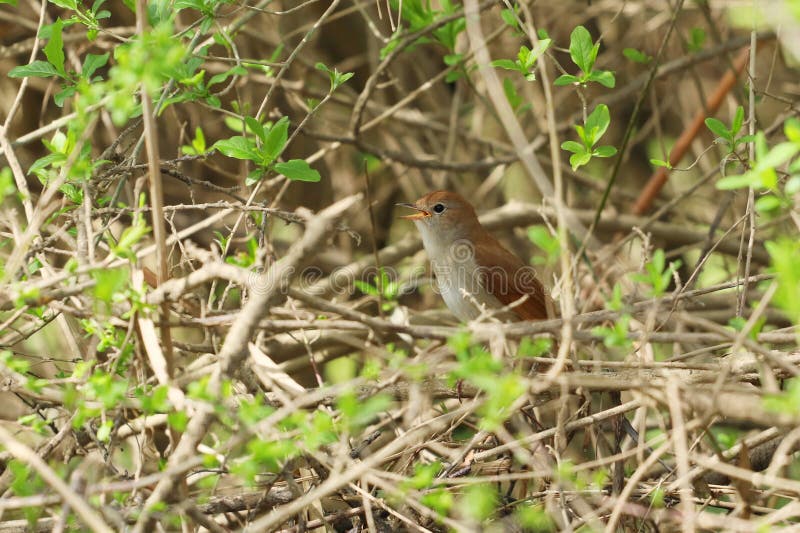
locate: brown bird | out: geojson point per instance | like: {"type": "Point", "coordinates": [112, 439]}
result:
{"type": "Point", "coordinates": [475, 274]}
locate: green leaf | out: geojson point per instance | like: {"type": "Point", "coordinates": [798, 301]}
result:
{"type": "Point", "coordinates": [365, 287]}
{"type": "Point", "coordinates": [660, 163]}
{"type": "Point", "coordinates": [636, 56]}
{"type": "Point", "coordinates": [729, 183]}
{"type": "Point", "coordinates": [254, 176]}
{"type": "Point", "coordinates": [581, 49]}
{"type": "Point", "coordinates": [778, 155]}
{"type": "Point", "coordinates": [597, 123]}
{"type": "Point", "coordinates": [572, 146]}
{"type": "Point", "coordinates": [199, 142]}
{"type": "Point", "coordinates": [237, 147]}
{"type": "Point", "coordinates": [791, 129]}
{"type": "Point", "coordinates": [604, 78]}
{"type": "Point", "coordinates": [92, 63]}
{"type": "Point", "coordinates": [566, 79]}
{"type": "Point", "coordinates": [256, 128]}
{"type": "Point", "coordinates": [697, 37]}
{"type": "Point", "coordinates": [792, 185]}
{"type": "Point", "coordinates": [276, 139]}
{"type": "Point", "coordinates": [604, 151]}
{"type": "Point", "coordinates": [738, 121]}
{"type": "Point", "coordinates": [110, 281]}
{"type": "Point", "coordinates": [54, 49]}
{"type": "Point", "coordinates": [452, 59]}
{"type": "Point", "coordinates": [718, 128]}
{"type": "Point", "coordinates": [66, 4]}
{"type": "Point", "coordinates": [60, 97]}
{"type": "Point", "coordinates": [238, 70]}
{"type": "Point", "coordinates": [768, 203]}
{"type": "Point", "coordinates": [504, 63]}
{"type": "Point", "coordinates": [297, 170]}
{"type": "Point", "coordinates": [577, 160]}
{"type": "Point", "coordinates": [37, 69]}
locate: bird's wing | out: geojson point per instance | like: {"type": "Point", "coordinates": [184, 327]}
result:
{"type": "Point", "coordinates": [511, 288]}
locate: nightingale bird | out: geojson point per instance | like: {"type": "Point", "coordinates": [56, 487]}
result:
{"type": "Point", "coordinates": [476, 275]}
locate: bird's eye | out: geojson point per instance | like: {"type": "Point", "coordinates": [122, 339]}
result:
{"type": "Point", "coordinates": [439, 209]}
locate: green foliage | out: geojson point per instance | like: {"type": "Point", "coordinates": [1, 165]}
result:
{"type": "Point", "coordinates": [616, 335]}
{"type": "Point", "coordinates": [357, 412]}
{"type": "Point", "coordinates": [336, 78]}
{"type": "Point", "coordinates": [786, 402]}
{"type": "Point", "coordinates": [107, 388]}
{"type": "Point", "coordinates": [67, 153]}
{"type": "Point", "coordinates": [525, 63]}
{"type": "Point", "coordinates": [783, 254]}
{"type": "Point", "coordinates": [584, 54]}
{"type": "Point", "coordinates": [658, 274]}
{"type": "Point", "coordinates": [477, 366]}
{"type": "Point", "coordinates": [153, 399]}
{"type": "Point", "coordinates": [263, 149]}
{"type": "Point", "coordinates": [340, 370]}
{"type": "Point", "coordinates": [198, 146]}
{"type": "Point", "coordinates": [131, 235]}
{"type": "Point", "coordinates": [418, 15]}
{"type": "Point", "coordinates": [479, 502]}
{"type": "Point", "coordinates": [517, 103]}
{"type": "Point", "coordinates": [537, 347]}
{"type": "Point", "coordinates": [387, 288]}
{"type": "Point", "coordinates": [547, 242]}
{"type": "Point", "coordinates": [110, 283]}
{"type": "Point", "coordinates": [762, 175]}
{"type": "Point", "coordinates": [590, 133]}
{"type": "Point", "coordinates": [423, 478]}
{"type": "Point", "coordinates": [729, 136]}
{"type": "Point", "coordinates": [440, 500]}
{"type": "Point", "coordinates": [637, 56]}
{"type": "Point", "coordinates": [697, 38]}
{"type": "Point", "coordinates": [534, 518]}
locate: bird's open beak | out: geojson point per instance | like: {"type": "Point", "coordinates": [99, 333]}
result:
{"type": "Point", "coordinates": [421, 213]}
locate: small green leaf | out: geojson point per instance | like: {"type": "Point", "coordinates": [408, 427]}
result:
{"type": "Point", "coordinates": [636, 56]}
{"type": "Point", "coordinates": [604, 151]}
{"type": "Point", "coordinates": [581, 49]}
{"type": "Point", "coordinates": [697, 37]}
{"type": "Point", "coordinates": [92, 63]}
{"type": "Point", "coordinates": [729, 183]}
{"type": "Point", "coordinates": [276, 139]}
{"type": "Point", "coordinates": [718, 128]}
{"type": "Point", "coordinates": [597, 122]}
{"type": "Point", "coordinates": [792, 185]}
{"type": "Point", "coordinates": [566, 79]}
{"type": "Point", "coordinates": [37, 69]}
{"type": "Point", "coordinates": [504, 63]}
{"type": "Point", "coordinates": [577, 160]}
{"type": "Point", "coordinates": [237, 147]}
{"type": "Point", "coordinates": [297, 170]}
{"type": "Point", "coordinates": [791, 129]}
{"type": "Point", "coordinates": [738, 121]}
{"type": "Point", "coordinates": [449, 60]}
{"type": "Point", "coordinates": [54, 49]}
{"type": "Point", "coordinates": [778, 155]}
{"type": "Point", "coordinates": [572, 146]}
{"type": "Point", "coordinates": [254, 176]}
{"type": "Point", "coordinates": [604, 78]}
{"type": "Point", "coordinates": [768, 203]}
{"type": "Point", "coordinates": [256, 128]}
{"type": "Point", "coordinates": [66, 4]}
{"type": "Point", "coordinates": [238, 70]}
{"type": "Point", "coordinates": [660, 163]}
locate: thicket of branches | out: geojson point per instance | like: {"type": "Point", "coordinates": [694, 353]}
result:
{"type": "Point", "coordinates": [212, 319]}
